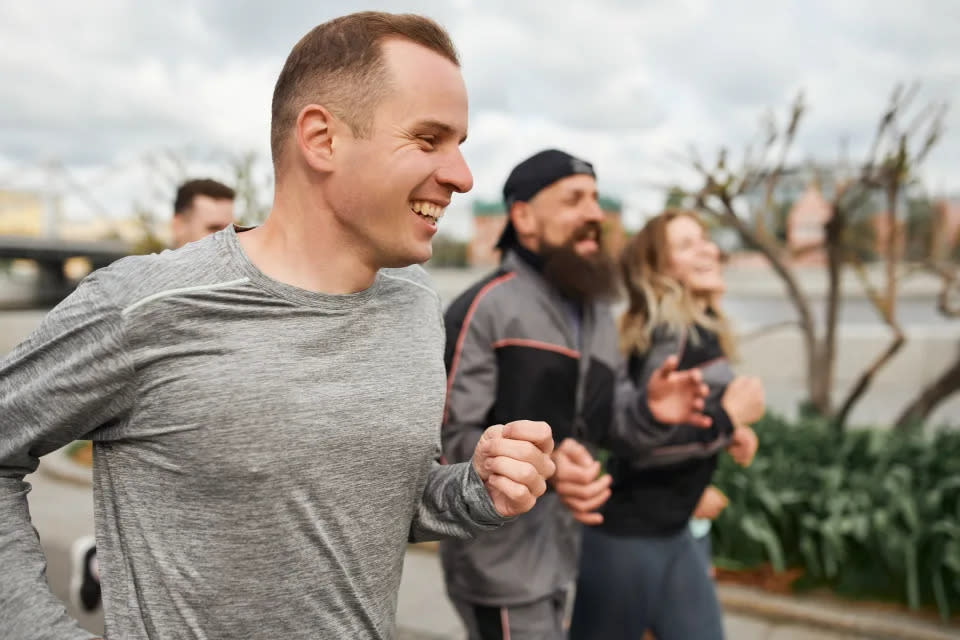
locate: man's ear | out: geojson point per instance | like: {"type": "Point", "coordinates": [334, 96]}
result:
{"type": "Point", "coordinates": [521, 214]}
{"type": "Point", "coordinates": [178, 227]}
{"type": "Point", "coordinates": [316, 131]}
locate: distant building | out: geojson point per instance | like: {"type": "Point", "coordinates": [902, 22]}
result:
{"type": "Point", "coordinates": [489, 219]}
{"type": "Point", "coordinates": [806, 232]}
{"type": "Point", "coordinates": [802, 204]}
{"type": "Point", "coordinates": [21, 213]}
{"type": "Point", "coordinates": [805, 226]}
{"type": "Point", "coordinates": [792, 184]}
{"type": "Point", "coordinates": [27, 213]}
{"type": "Point", "coordinates": [131, 229]}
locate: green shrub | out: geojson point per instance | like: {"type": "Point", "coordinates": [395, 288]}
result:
{"type": "Point", "coordinates": [869, 513]}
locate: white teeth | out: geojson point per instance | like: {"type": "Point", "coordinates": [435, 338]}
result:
{"type": "Point", "coordinates": [427, 209]}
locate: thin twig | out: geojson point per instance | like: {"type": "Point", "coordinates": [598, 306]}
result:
{"type": "Point", "coordinates": [949, 279]}
{"type": "Point", "coordinates": [876, 298]}
{"type": "Point", "coordinates": [767, 329]}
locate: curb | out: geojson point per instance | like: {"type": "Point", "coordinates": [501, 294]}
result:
{"type": "Point", "coordinates": [866, 623]}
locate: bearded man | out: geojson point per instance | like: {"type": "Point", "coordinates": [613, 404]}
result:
{"type": "Point", "coordinates": [536, 340]}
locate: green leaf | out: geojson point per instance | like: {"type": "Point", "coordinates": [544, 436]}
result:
{"type": "Point", "coordinates": [940, 595]}
{"type": "Point", "coordinates": [808, 549]}
{"type": "Point", "coordinates": [757, 528]}
{"type": "Point", "coordinates": [908, 509]}
{"type": "Point", "coordinates": [913, 582]}
{"type": "Point", "coordinates": [951, 557]}
{"type": "Point", "coordinates": [869, 513]}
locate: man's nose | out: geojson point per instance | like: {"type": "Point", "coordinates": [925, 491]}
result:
{"type": "Point", "coordinates": [455, 174]}
{"type": "Point", "coordinates": [593, 212]}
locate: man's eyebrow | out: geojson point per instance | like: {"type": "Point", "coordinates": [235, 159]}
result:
{"type": "Point", "coordinates": [440, 127]}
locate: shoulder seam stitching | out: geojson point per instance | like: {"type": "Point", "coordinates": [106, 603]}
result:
{"type": "Point", "coordinates": [414, 283]}
{"type": "Point", "coordinates": [173, 292]}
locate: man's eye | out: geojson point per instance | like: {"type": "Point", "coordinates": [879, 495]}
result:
{"type": "Point", "coordinates": [427, 140]}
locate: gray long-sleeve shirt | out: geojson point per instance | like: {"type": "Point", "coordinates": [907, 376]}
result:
{"type": "Point", "coordinates": [262, 454]}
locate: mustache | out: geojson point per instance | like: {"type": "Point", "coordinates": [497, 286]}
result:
{"type": "Point", "coordinates": [587, 230]}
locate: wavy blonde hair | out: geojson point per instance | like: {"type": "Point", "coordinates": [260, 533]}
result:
{"type": "Point", "coordinates": [655, 298]}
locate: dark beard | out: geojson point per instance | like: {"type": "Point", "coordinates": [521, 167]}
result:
{"type": "Point", "coordinates": [579, 278]}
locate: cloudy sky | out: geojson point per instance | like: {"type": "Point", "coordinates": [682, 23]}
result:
{"type": "Point", "coordinates": [109, 101]}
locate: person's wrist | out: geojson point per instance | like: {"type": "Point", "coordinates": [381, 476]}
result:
{"type": "Point", "coordinates": [475, 463]}
{"type": "Point", "coordinates": [730, 409]}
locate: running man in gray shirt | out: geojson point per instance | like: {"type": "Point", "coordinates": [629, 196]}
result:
{"type": "Point", "coordinates": [265, 404]}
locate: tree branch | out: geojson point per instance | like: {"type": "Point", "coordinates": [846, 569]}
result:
{"type": "Point", "coordinates": [866, 378]}
{"type": "Point", "coordinates": [834, 232]}
{"type": "Point", "coordinates": [767, 329]}
{"type": "Point", "coordinates": [786, 142]}
{"type": "Point", "coordinates": [933, 133]}
{"type": "Point", "coordinates": [886, 168]}
{"type": "Point", "coordinates": [946, 384]}
{"type": "Point", "coordinates": [949, 279]}
{"type": "Point", "coordinates": [886, 120]}
{"type": "Point", "coordinates": [876, 298]}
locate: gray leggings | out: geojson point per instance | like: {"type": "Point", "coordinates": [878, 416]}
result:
{"type": "Point", "coordinates": [629, 584]}
{"type": "Point", "coordinates": [540, 620]}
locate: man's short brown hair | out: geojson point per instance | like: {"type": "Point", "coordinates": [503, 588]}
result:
{"type": "Point", "coordinates": [339, 65]}
{"type": "Point", "coordinates": [200, 187]}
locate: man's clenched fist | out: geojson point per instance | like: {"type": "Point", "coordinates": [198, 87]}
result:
{"type": "Point", "coordinates": [744, 400]}
{"type": "Point", "coordinates": [578, 482]}
{"type": "Point", "coordinates": [743, 446]}
{"type": "Point", "coordinates": [514, 463]}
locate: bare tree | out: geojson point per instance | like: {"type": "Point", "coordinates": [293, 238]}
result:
{"type": "Point", "coordinates": [149, 241]}
{"type": "Point", "coordinates": [251, 202]}
{"type": "Point", "coordinates": [888, 167]}
{"type": "Point", "coordinates": [948, 382]}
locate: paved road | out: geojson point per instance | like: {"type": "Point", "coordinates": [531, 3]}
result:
{"type": "Point", "coordinates": [63, 511]}
{"type": "Point", "coordinates": [424, 613]}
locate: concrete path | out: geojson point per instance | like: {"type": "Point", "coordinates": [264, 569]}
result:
{"type": "Point", "coordinates": [63, 511]}
{"type": "Point", "coordinates": [424, 613]}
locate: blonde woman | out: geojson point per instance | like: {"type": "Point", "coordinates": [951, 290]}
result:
{"type": "Point", "coordinates": [641, 569]}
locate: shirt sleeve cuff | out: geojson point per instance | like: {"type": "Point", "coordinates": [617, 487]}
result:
{"type": "Point", "coordinates": [722, 422]}
{"type": "Point", "coordinates": [479, 503]}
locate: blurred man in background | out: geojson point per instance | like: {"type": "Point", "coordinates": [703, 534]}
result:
{"type": "Point", "coordinates": [201, 207]}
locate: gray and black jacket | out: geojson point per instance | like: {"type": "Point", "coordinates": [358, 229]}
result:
{"type": "Point", "coordinates": [515, 350]}
{"type": "Point", "coordinates": [660, 471]}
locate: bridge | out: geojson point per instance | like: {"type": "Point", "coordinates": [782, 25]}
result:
{"type": "Point", "coordinates": [100, 253]}
{"type": "Point", "coordinates": [51, 255]}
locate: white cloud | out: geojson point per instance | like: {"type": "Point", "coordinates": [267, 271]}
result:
{"type": "Point", "coordinates": [101, 84]}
